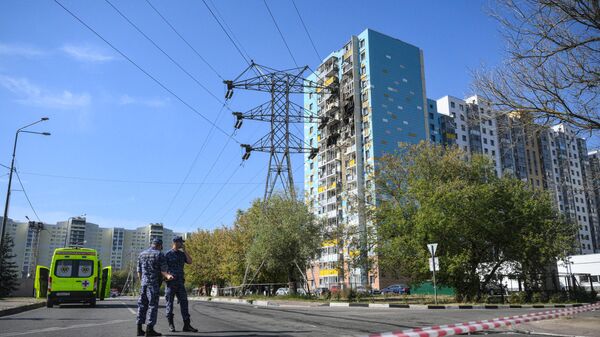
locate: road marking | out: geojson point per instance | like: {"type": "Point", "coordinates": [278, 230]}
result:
{"type": "Point", "coordinates": [57, 328]}
{"type": "Point", "coordinates": [128, 308]}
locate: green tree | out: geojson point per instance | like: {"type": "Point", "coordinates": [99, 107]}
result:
{"type": "Point", "coordinates": [483, 223]}
{"type": "Point", "coordinates": [9, 275]}
{"type": "Point", "coordinates": [285, 237]}
{"type": "Point", "coordinates": [118, 278]}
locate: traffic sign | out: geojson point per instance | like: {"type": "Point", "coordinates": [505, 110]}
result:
{"type": "Point", "coordinates": [432, 247]}
{"type": "Point", "coordinates": [437, 263]}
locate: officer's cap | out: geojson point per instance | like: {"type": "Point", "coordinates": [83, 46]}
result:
{"type": "Point", "coordinates": [178, 238]}
{"type": "Point", "coordinates": [157, 241]}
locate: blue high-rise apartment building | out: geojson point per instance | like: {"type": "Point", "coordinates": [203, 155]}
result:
{"type": "Point", "coordinates": [379, 101]}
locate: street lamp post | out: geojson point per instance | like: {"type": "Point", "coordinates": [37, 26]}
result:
{"type": "Point", "coordinates": [12, 168]}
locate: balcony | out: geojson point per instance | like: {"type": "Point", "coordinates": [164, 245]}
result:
{"type": "Point", "coordinates": [347, 68]}
{"type": "Point", "coordinates": [347, 54]}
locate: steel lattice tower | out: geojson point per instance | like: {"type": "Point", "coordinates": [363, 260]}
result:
{"type": "Point", "coordinates": [279, 111]}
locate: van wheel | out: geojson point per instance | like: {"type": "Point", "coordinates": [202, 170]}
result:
{"type": "Point", "coordinates": [93, 303]}
{"type": "Point", "coordinates": [49, 303]}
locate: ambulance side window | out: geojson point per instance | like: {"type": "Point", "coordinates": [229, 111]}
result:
{"type": "Point", "coordinates": [64, 268]}
{"type": "Point", "coordinates": [85, 268]}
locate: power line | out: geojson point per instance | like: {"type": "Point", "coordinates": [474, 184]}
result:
{"type": "Point", "coordinates": [208, 136]}
{"type": "Point", "coordinates": [234, 195]}
{"type": "Point", "coordinates": [215, 195]}
{"type": "Point", "coordinates": [164, 52]}
{"type": "Point", "coordinates": [184, 40]}
{"type": "Point", "coordinates": [226, 33]}
{"type": "Point", "coordinates": [5, 166]}
{"type": "Point", "coordinates": [235, 38]}
{"type": "Point", "coordinates": [307, 33]}
{"type": "Point", "coordinates": [128, 181]}
{"type": "Point", "coordinates": [193, 78]}
{"type": "Point", "coordinates": [280, 33]}
{"type": "Point", "coordinates": [244, 198]}
{"type": "Point", "coordinates": [146, 72]}
{"type": "Point", "coordinates": [187, 206]}
{"type": "Point", "coordinates": [26, 196]}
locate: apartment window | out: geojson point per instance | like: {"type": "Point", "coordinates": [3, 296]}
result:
{"type": "Point", "coordinates": [462, 117]}
{"type": "Point", "coordinates": [361, 43]}
{"type": "Point", "coordinates": [492, 142]}
{"type": "Point", "coordinates": [484, 140]}
{"type": "Point", "coordinates": [311, 177]}
{"type": "Point", "coordinates": [490, 122]}
{"type": "Point", "coordinates": [491, 132]}
{"type": "Point", "coordinates": [310, 106]}
{"type": "Point", "coordinates": [367, 154]}
{"type": "Point", "coordinates": [464, 138]}
{"type": "Point", "coordinates": [461, 107]}
{"type": "Point", "coordinates": [452, 105]}
{"type": "Point", "coordinates": [432, 127]}
{"type": "Point", "coordinates": [462, 127]}
{"type": "Point", "coordinates": [431, 115]}
{"type": "Point", "coordinates": [362, 55]}
{"type": "Point", "coordinates": [484, 130]}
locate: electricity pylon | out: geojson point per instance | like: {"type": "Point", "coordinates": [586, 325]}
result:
{"type": "Point", "coordinates": [279, 111]}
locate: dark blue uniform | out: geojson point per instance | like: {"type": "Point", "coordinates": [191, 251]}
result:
{"type": "Point", "coordinates": [151, 263]}
{"type": "Point", "coordinates": [176, 287]}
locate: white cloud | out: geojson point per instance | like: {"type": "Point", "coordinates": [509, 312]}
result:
{"type": "Point", "coordinates": [33, 95]}
{"type": "Point", "coordinates": [87, 54]}
{"type": "Point", "coordinates": [20, 50]}
{"type": "Point", "coordinates": [153, 102]}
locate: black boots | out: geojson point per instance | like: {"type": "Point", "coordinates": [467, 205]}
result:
{"type": "Point", "coordinates": [187, 327]}
{"type": "Point", "coordinates": [140, 331]}
{"type": "Point", "coordinates": [171, 324]}
{"type": "Point", "coordinates": [150, 331]}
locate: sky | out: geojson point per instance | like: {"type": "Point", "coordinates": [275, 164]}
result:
{"type": "Point", "coordinates": [121, 144]}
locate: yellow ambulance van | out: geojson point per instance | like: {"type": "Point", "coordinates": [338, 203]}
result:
{"type": "Point", "coordinates": [75, 276]}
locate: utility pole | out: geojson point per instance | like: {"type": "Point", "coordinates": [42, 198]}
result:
{"type": "Point", "coordinates": [12, 168]}
{"type": "Point", "coordinates": [280, 112]}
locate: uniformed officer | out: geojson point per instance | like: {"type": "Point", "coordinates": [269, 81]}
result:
{"type": "Point", "coordinates": [151, 264]}
{"type": "Point", "coordinates": [177, 257]}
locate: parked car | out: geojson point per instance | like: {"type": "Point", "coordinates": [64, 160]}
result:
{"type": "Point", "coordinates": [375, 292]}
{"type": "Point", "coordinates": [335, 288]}
{"type": "Point", "coordinates": [282, 291]}
{"type": "Point", "coordinates": [396, 289]}
{"type": "Point", "coordinates": [361, 290]}
{"type": "Point", "coordinates": [321, 291]}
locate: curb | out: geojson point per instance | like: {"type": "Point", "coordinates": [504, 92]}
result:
{"type": "Point", "coordinates": [267, 303]}
{"type": "Point", "coordinates": [479, 326]}
{"type": "Point", "coordinates": [23, 308]}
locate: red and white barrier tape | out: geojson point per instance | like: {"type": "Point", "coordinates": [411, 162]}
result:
{"type": "Point", "coordinates": [467, 327]}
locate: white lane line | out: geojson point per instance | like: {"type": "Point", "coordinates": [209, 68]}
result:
{"type": "Point", "coordinates": [77, 326]}
{"type": "Point", "coordinates": [128, 308]}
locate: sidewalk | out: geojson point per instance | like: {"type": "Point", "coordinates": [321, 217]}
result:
{"type": "Point", "coordinates": [587, 324]}
{"type": "Point", "coordinates": [291, 303]}
{"type": "Point", "coordinates": [15, 305]}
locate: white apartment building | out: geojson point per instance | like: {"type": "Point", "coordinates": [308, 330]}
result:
{"type": "Point", "coordinates": [476, 126]}
{"type": "Point", "coordinates": [117, 246]}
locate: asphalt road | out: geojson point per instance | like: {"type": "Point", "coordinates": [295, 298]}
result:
{"type": "Point", "coordinates": [116, 317]}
